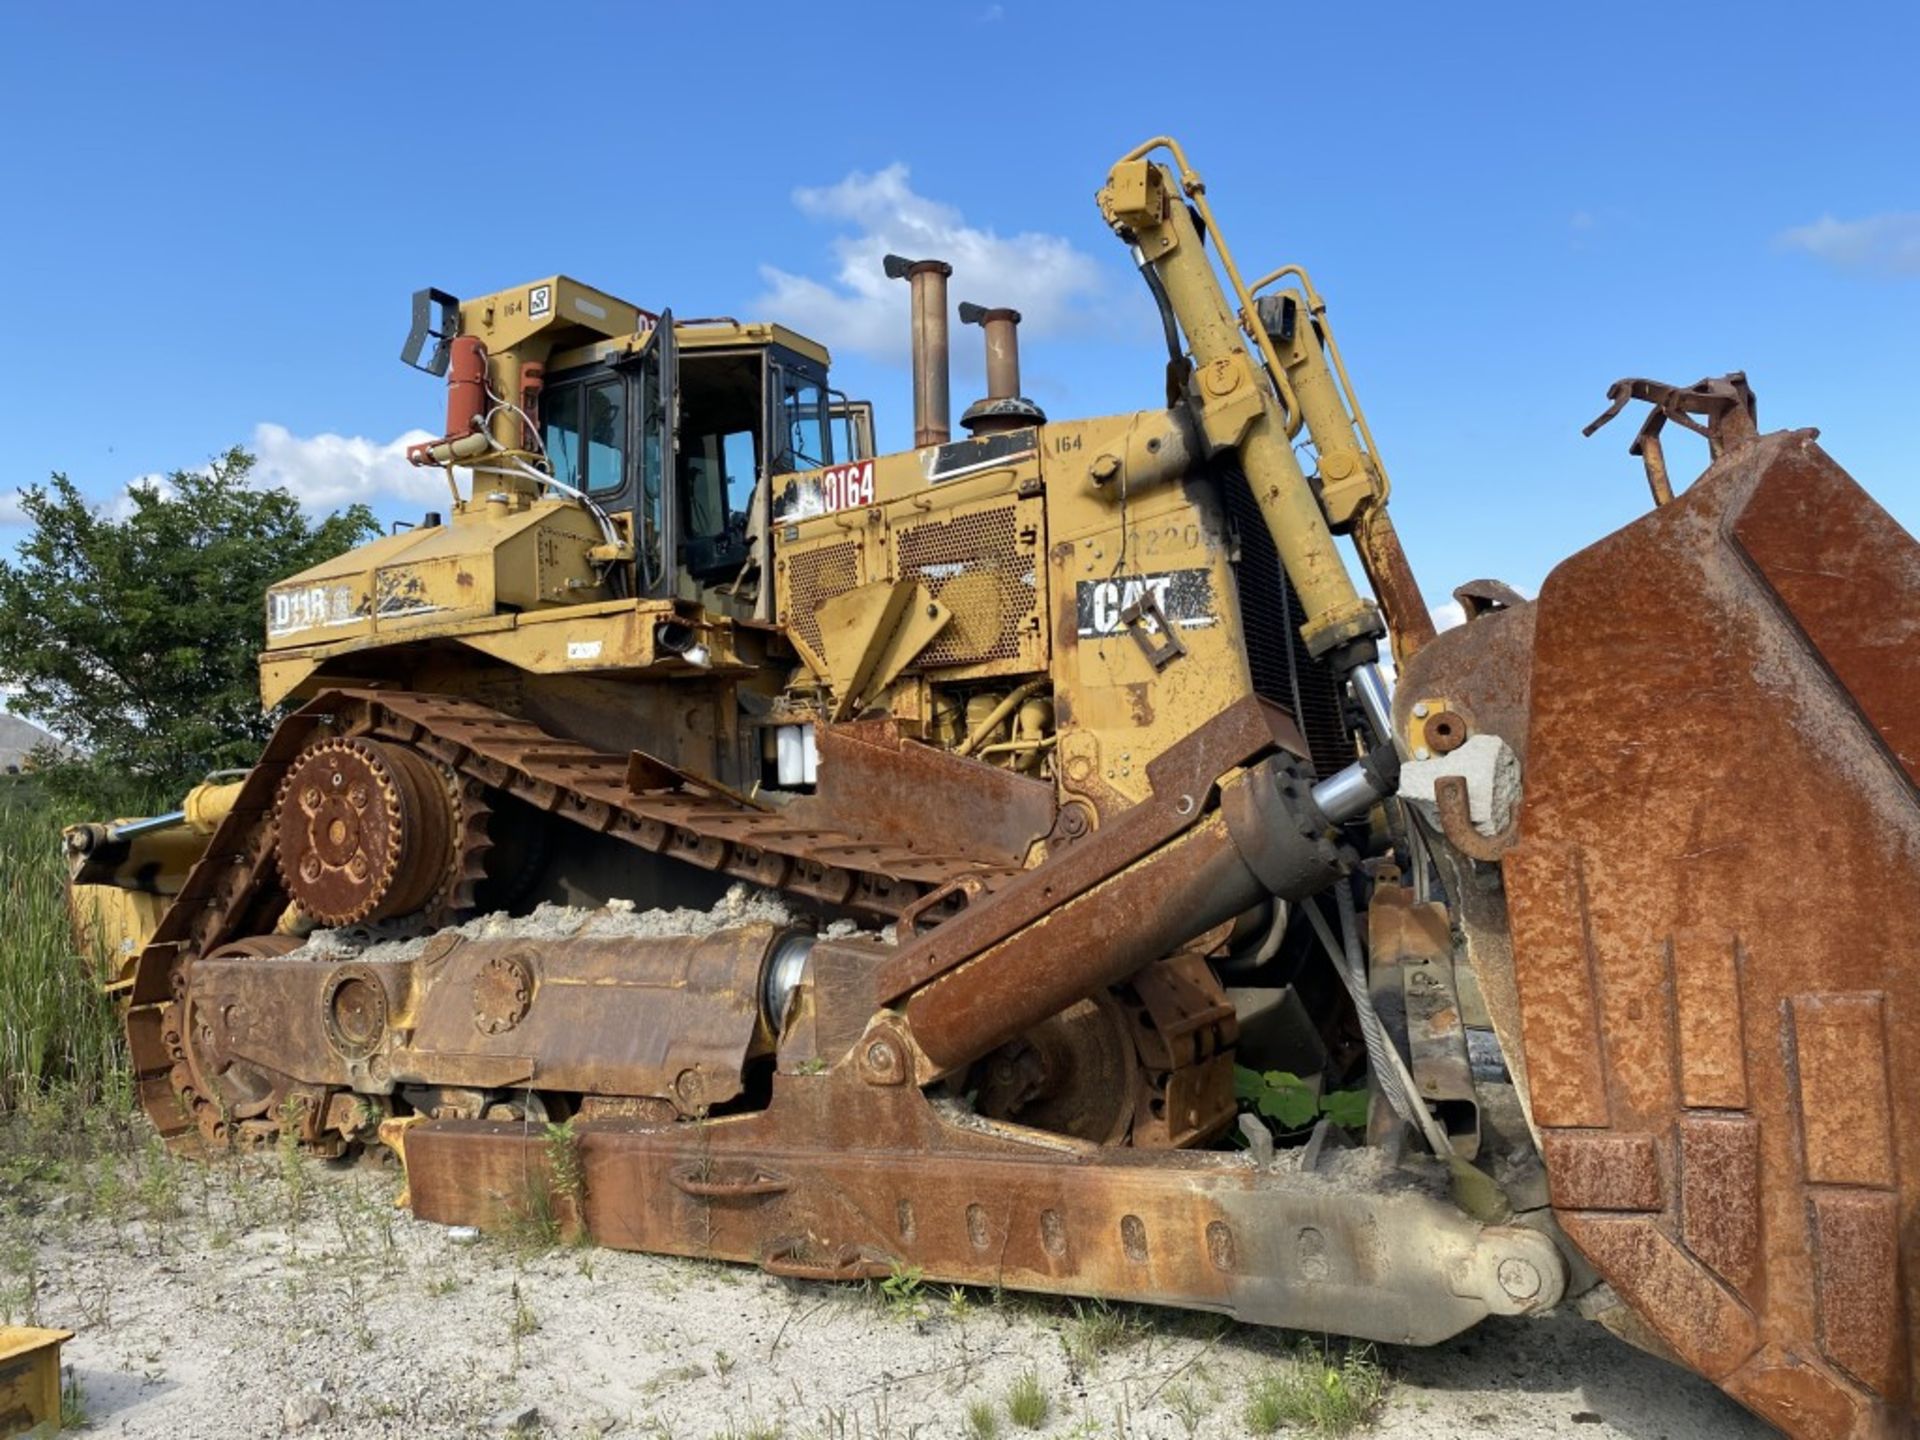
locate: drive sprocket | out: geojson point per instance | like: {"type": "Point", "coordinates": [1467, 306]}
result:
{"type": "Point", "coordinates": [367, 830]}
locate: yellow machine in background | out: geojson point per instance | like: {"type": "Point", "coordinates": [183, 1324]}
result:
{"type": "Point", "coordinates": [123, 874]}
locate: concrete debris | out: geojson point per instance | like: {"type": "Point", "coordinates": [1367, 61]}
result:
{"type": "Point", "coordinates": [1492, 772]}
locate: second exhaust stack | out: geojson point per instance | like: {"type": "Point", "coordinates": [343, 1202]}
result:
{"type": "Point", "coordinates": [932, 402]}
{"type": "Point", "coordinates": [1004, 407]}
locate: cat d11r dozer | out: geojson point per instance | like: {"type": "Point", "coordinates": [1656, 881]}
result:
{"type": "Point", "coordinates": [1062, 795]}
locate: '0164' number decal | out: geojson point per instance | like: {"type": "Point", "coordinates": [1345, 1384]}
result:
{"type": "Point", "coordinates": [846, 486]}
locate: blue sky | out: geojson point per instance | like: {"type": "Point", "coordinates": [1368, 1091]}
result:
{"type": "Point", "coordinates": [216, 213]}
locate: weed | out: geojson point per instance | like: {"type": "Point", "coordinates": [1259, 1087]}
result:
{"type": "Point", "coordinates": [533, 1224]}
{"type": "Point", "coordinates": [73, 1403]}
{"type": "Point", "coordinates": [293, 1169]}
{"type": "Point", "coordinates": [1028, 1404]}
{"type": "Point", "coordinates": [1189, 1407]}
{"type": "Point", "coordinates": [158, 1191]}
{"type": "Point", "coordinates": [524, 1321]}
{"type": "Point", "coordinates": [678, 1375]}
{"type": "Point", "coordinates": [96, 1306]}
{"type": "Point", "coordinates": [982, 1422]}
{"type": "Point", "coordinates": [554, 1192]}
{"type": "Point", "coordinates": [723, 1364]}
{"type": "Point", "coordinates": [959, 1304]}
{"type": "Point", "coordinates": [109, 1196]}
{"type": "Point", "coordinates": [1098, 1329]}
{"type": "Point", "coordinates": [20, 1283]}
{"type": "Point", "coordinates": [358, 1327]}
{"type": "Point", "coordinates": [1318, 1394]}
{"type": "Point", "coordinates": [566, 1171]}
{"type": "Point", "coordinates": [902, 1292]}
{"type": "Point", "coordinates": [753, 1428]}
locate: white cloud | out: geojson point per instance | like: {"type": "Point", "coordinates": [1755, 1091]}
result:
{"type": "Point", "coordinates": [10, 511]}
{"type": "Point", "coordinates": [328, 471]}
{"type": "Point", "coordinates": [1043, 276]}
{"type": "Point", "coordinates": [1449, 615]}
{"type": "Point", "coordinates": [1876, 245]}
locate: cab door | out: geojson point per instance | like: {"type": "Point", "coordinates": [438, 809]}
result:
{"type": "Point", "coordinates": [652, 377]}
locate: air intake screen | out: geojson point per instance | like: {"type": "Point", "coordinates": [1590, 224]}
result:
{"type": "Point", "coordinates": [976, 566]}
{"type": "Point", "coordinates": [815, 577]}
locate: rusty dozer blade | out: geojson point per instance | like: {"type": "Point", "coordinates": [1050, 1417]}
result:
{"type": "Point", "coordinates": [1711, 905]}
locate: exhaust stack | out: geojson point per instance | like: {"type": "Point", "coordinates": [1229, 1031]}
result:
{"type": "Point", "coordinates": [1004, 408]}
{"type": "Point", "coordinates": [932, 402]}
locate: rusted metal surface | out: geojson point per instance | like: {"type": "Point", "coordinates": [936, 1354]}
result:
{"type": "Point", "coordinates": [1712, 935]}
{"type": "Point", "coordinates": [877, 784]}
{"type": "Point", "coordinates": [673, 1018]}
{"type": "Point", "coordinates": [1181, 780]}
{"type": "Point", "coordinates": [1410, 974]}
{"type": "Point", "coordinates": [236, 890]}
{"type": "Point", "coordinates": [932, 403]}
{"type": "Point", "coordinates": [1261, 841]}
{"type": "Point", "coordinates": [1456, 823]}
{"type": "Point", "coordinates": [1725, 401]}
{"type": "Point", "coordinates": [1409, 622]}
{"type": "Point", "coordinates": [1446, 732]}
{"type": "Point", "coordinates": [1481, 672]}
{"type": "Point", "coordinates": [366, 830]}
{"type": "Point", "coordinates": [1074, 1074]}
{"type": "Point", "coordinates": [837, 1179]}
{"type": "Point", "coordinates": [1184, 1030]}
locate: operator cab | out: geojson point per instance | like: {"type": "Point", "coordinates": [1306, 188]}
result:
{"type": "Point", "coordinates": [677, 434]}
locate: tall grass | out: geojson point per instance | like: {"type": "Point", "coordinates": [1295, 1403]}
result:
{"type": "Point", "coordinates": [59, 1036]}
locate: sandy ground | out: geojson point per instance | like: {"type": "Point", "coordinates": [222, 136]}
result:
{"type": "Point", "coordinates": [259, 1298]}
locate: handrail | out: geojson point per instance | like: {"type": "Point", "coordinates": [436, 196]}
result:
{"type": "Point", "coordinates": [1196, 190]}
{"type": "Point", "coordinates": [1317, 308]}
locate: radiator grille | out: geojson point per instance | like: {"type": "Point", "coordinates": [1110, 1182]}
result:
{"type": "Point", "coordinates": [815, 577]}
{"type": "Point", "coordinates": [975, 566]}
{"type": "Point", "coordinates": [1271, 616]}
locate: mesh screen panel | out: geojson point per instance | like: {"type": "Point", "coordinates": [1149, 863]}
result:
{"type": "Point", "coordinates": [813, 578]}
{"type": "Point", "coordinates": [1271, 616]}
{"type": "Point", "coordinates": [975, 566]}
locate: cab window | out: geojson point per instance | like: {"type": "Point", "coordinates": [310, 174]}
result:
{"type": "Point", "coordinates": [802, 407]}
{"type": "Point", "coordinates": [584, 429]}
{"type": "Point", "coordinates": [606, 437]}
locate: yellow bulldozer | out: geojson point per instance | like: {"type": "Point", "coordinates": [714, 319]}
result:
{"type": "Point", "coordinates": [1017, 858]}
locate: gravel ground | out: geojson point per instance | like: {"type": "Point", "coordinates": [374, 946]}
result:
{"type": "Point", "coordinates": [259, 1298]}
